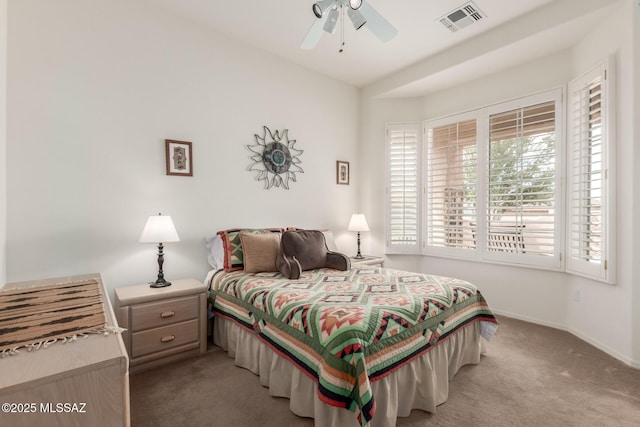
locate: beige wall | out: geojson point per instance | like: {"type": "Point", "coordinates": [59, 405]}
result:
{"type": "Point", "coordinates": [635, 305]}
{"type": "Point", "coordinates": [3, 141]}
{"type": "Point", "coordinates": [535, 295]}
{"type": "Point", "coordinates": [612, 37]}
{"type": "Point", "coordinates": [94, 89]}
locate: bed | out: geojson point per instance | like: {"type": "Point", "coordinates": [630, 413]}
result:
{"type": "Point", "coordinates": [357, 347]}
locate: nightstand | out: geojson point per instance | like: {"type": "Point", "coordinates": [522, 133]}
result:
{"type": "Point", "coordinates": [163, 324]}
{"type": "Point", "coordinates": [368, 260]}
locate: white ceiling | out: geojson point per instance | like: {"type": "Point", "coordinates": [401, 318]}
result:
{"type": "Point", "coordinates": [278, 26]}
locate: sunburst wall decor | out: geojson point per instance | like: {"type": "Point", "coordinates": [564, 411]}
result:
{"type": "Point", "coordinates": [275, 159]}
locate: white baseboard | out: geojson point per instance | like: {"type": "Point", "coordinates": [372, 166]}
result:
{"type": "Point", "coordinates": [529, 319]}
{"type": "Point", "coordinates": [610, 351]}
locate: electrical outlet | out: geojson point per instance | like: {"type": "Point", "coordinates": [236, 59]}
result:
{"type": "Point", "coordinates": [576, 295]}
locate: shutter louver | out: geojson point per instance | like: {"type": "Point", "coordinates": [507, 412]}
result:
{"type": "Point", "coordinates": [403, 215]}
{"type": "Point", "coordinates": [521, 183]}
{"type": "Point", "coordinates": [590, 232]}
{"type": "Point", "coordinates": [586, 187]}
{"type": "Point", "coordinates": [451, 178]}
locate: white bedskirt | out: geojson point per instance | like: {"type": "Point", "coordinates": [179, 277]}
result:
{"type": "Point", "coordinates": [422, 384]}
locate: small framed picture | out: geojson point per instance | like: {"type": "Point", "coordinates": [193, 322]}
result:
{"type": "Point", "coordinates": [179, 158]}
{"type": "Point", "coordinates": [342, 172]}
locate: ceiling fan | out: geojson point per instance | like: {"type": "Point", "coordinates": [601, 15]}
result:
{"type": "Point", "coordinates": [360, 13]}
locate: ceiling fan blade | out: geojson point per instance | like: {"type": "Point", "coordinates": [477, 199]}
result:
{"type": "Point", "coordinates": [314, 34]}
{"type": "Point", "coordinates": [377, 24]}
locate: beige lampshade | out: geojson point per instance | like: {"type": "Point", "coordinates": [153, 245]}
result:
{"type": "Point", "coordinates": [159, 229]}
{"type": "Point", "coordinates": [358, 223]}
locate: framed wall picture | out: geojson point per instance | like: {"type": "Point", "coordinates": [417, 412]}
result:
{"type": "Point", "coordinates": [179, 158]}
{"type": "Point", "coordinates": [342, 172]}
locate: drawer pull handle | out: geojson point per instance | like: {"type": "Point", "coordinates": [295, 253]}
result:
{"type": "Point", "coordinates": [168, 338]}
{"type": "Point", "coordinates": [166, 314]}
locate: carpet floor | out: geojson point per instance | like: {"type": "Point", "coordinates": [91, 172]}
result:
{"type": "Point", "coordinates": [532, 375]}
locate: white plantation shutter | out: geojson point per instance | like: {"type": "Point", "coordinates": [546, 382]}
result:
{"type": "Point", "coordinates": [590, 232]}
{"type": "Point", "coordinates": [403, 148]}
{"type": "Point", "coordinates": [493, 182]}
{"type": "Point", "coordinates": [451, 175]}
{"type": "Point", "coordinates": [523, 205]}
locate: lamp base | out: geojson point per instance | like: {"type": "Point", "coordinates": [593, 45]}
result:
{"type": "Point", "coordinates": [358, 255]}
{"type": "Point", "coordinates": [159, 284]}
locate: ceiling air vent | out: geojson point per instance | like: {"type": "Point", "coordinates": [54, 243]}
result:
{"type": "Point", "coordinates": [462, 17]}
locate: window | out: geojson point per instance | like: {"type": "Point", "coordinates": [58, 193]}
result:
{"type": "Point", "coordinates": [451, 176]}
{"type": "Point", "coordinates": [492, 183]}
{"type": "Point", "coordinates": [590, 191]}
{"type": "Point", "coordinates": [403, 221]}
{"type": "Point", "coordinates": [524, 201]}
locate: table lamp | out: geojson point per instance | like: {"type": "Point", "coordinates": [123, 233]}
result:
{"type": "Point", "coordinates": [358, 223]}
{"type": "Point", "coordinates": [159, 229]}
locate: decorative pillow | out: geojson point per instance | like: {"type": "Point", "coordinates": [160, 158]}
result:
{"type": "Point", "coordinates": [233, 258]}
{"type": "Point", "coordinates": [260, 251]}
{"type": "Point", "coordinates": [328, 237]}
{"type": "Point", "coordinates": [303, 250]}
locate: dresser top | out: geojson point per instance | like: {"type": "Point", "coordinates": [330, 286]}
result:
{"type": "Point", "coordinates": [58, 358]}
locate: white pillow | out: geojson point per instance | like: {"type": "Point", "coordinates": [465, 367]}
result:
{"type": "Point", "coordinates": [331, 241]}
{"type": "Point", "coordinates": [215, 252]}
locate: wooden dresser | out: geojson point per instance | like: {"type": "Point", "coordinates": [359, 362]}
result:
{"type": "Point", "coordinates": [83, 383]}
{"type": "Point", "coordinates": [163, 324]}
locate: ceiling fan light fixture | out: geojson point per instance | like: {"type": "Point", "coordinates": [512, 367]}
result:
{"type": "Point", "coordinates": [361, 13]}
{"type": "Point", "coordinates": [321, 7]}
{"type": "Point", "coordinates": [332, 20]}
{"type": "Point", "coordinates": [357, 19]}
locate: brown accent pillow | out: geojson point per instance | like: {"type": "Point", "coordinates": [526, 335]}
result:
{"type": "Point", "coordinates": [303, 250]}
{"type": "Point", "coordinates": [260, 251]}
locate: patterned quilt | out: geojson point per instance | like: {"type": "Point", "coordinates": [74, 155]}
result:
{"type": "Point", "coordinates": [345, 329]}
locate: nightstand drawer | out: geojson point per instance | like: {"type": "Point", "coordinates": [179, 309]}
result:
{"type": "Point", "coordinates": [164, 338]}
{"type": "Point", "coordinates": [151, 315]}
